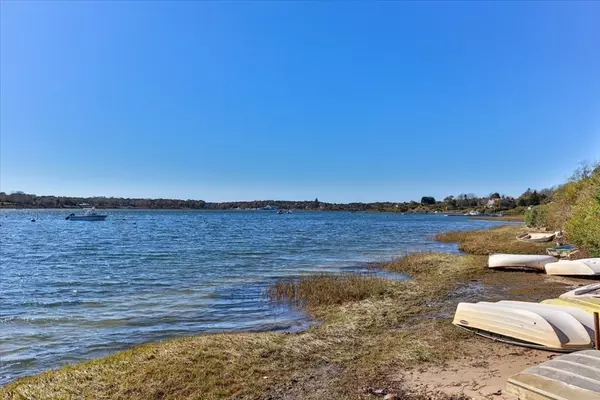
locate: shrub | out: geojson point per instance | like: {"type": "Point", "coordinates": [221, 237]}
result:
{"type": "Point", "coordinates": [537, 217]}
{"type": "Point", "coordinates": [583, 227]}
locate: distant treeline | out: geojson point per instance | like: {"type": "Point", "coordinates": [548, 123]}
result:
{"type": "Point", "coordinates": [490, 204]}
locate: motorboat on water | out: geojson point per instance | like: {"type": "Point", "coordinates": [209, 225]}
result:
{"type": "Point", "coordinates": [535, 262]}
{"type": "Point", "coordinates": [584, 266]}
{"type": "Point", "coordinates": [546, 329]}
{"type": "Point", "coordinates": [89, 214]}
{"type": "Point", "coordinates": [536, 237]}
{"type": "Point", "coordinates": [573, 376]}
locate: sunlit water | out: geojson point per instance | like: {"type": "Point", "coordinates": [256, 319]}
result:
{"type": "Point", "coordinates": [75, 290]}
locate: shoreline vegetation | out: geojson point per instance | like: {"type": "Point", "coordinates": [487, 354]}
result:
{"type": "Point", "coordinates": [374, 335]}
{"type": "Point", "coordinates": [492, 205]}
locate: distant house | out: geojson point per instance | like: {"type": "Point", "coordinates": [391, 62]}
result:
{"type": "Point", "coordinates": [492, 203]}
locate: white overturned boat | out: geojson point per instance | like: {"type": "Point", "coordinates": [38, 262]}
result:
{"type": "Point", "coordinates": [585, 318]}
{"type": "Point", "coordinates": [536, 262]}
{"type": "Point", "coordinates": [574, 376]}
{"type": "Point", "coordinates": [584, 266]}
{"type": "Point", "coordinates": [589, 304]}
{"type": "Point", "coordinates": [536, 237]}
{"type": "Point", "coordinates": [89, 214]}
{"type": "Point", "coordinates": [542, 329]}
{"type": "Point", "coordinates": [592, 290]}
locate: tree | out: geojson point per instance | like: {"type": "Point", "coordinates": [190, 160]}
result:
{"type": "Point", "coordinates": [534, 199]}
{"type": "Point", "coordinates": [427, 200]}
{"type": "Point", "coordinates": [316, 203]}
{"type": "Point", "coordinates": [585, 170]}
{"type": "Point", "coordinates": [495, 195]}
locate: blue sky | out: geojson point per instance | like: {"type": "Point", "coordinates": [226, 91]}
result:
{"type": "Point", "coordinates": [344, 101]}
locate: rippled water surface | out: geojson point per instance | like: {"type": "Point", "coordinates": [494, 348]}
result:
{"type": "Point", "coordinates": [75, 290]}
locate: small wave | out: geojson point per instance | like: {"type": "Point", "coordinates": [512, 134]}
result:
{"type": "Point", "coordinates": [65, 303]}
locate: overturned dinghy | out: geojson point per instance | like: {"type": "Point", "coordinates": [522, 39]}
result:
{"type": "Point", "coordinates": [588, 304]}
{"type": "Point", "coordinates": [585, 318]}
{"type": "Point", "coordinates": [584, 266]}
{"type": "Point", "coordinates": [536, 237]}
{"type": "Point", "coordinates": [547, 330]}
{"type": "Point", "coordinates": [592, 290]}
{"type": "Point", "coordinates": [573, 376]}
{"type": "Point", "coordinates": [535, 262]}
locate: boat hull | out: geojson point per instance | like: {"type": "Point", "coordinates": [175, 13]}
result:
{"type": "Point", "coordinates": [585, 318]}
{"type": "Point", "coordinates": [554, 331]}
{"type": "Point", "coordinates": [87, 217]}
{"type": "Point", "coordinates": [592, 290]}
{"type": "Point", "coordinates": [588, 304]}
{"type": "Point", "coordinates": [537, 237]}
{"type": "Point", "coordinates": [522, 261]}
{"type": "Point", "coordinates": [573, 376]}
{"type": "Point", "coordinates": [585, 266]}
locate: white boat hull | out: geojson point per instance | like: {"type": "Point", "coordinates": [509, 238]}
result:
{"type": "Point", "coordinates": [536, 262]}
{"type": "Point", "coordinates": [537, 237]}
{"type": "Point", "coordinates": [585, 266]}
{"type": "Point", "coordinates": [585, 318]}
{"type": "Point", "coordinates": [556, 330]}
{"type": "Point", "coordinates": [592, 290]}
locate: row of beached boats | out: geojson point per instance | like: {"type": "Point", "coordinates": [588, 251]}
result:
{"type": "Point", "coordinates": [565, 324]}
{"type": "Point", "coordinates": [546, 263]}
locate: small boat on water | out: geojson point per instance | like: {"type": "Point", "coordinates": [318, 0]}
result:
{"type": "Point", "coordinates": [574, 376]}
{"type": "Point", "coordinates": [584, 266]}
{"type": "Point", "coordinates": [592, 290]}
{"type": "Point", "coordinates": [588, 304]}
{"type": "Point", "coordinates": [536, 237]}
{"type": "Point", "coordinates": [542, 329]}
{"type": "Point", "coordinates": [535, 262]}
{"type": "Point", "coordinates": [89, 214]}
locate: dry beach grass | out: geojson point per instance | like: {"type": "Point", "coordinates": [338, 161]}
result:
{"type": "Point", "coordinates": [372, 332]}
{"type": "Point", "coordinates": [496, 240]}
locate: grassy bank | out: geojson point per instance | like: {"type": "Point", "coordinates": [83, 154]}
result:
{"type": "Point", "coordinates": [501, 239]}
{"type": "Point", "coordinates": [510, 218]}
{"type": "Point", "coordinates": [371, 331]}
{"type": "Point", "coordinates": [369, 325]}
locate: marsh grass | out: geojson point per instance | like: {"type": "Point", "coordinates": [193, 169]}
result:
{"type": "Point", "coordinates": [326, 290]}
{"type": "Point", "coordinates": [496, 240]}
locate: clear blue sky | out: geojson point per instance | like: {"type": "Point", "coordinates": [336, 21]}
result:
{"type": "Point", "coordinates": [344, 101]}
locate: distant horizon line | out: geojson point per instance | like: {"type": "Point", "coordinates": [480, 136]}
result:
{"type": "Point", "coordinates": [17, 192]}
